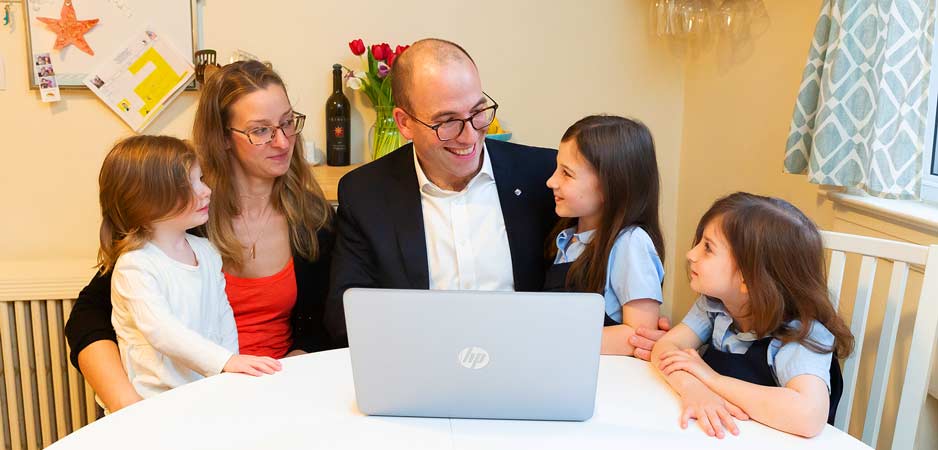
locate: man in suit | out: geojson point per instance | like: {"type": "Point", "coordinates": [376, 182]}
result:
{"type": "Point", "coordinates": [451, 210]}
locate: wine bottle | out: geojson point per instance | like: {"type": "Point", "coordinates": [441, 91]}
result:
{"type": "Point", "coordinates": [338, 121]}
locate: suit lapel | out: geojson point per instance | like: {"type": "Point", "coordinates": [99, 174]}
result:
{"type": "Point", "coordinates": [404, 206]}
{"type": "Point", "coordinates": [511, 197]}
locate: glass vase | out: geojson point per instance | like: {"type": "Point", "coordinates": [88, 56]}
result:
{"type": "Point", "coordinates": [385, 137]}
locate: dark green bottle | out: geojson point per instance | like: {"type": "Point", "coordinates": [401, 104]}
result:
{"type": "Point", "coordinates": [338, 123]}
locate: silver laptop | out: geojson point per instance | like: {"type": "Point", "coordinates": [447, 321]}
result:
{"type": "Point", "coordinates": [474, 354]}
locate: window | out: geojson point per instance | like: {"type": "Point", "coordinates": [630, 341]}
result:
{"type": "Point", "coordinates": [930, 158]}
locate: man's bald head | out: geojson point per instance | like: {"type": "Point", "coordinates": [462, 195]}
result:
{"type": "Point", "coordinates": [423, 53]}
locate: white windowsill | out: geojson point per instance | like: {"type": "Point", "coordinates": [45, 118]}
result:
{"type": "Point", "coordinates": [908, 212]}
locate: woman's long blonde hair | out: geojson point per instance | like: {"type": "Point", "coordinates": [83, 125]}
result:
{"type": "Point", "coordinates": [295, 194]}
{"type": "Point", "coordinates": [143, 179]}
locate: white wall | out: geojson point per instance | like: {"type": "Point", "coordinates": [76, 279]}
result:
{"type": "Point", "coordinates": [546, 66]}
{"type": "Point", "coordinates": [719, 127]}
{"type": "Point", "coordinates": [736, 123]}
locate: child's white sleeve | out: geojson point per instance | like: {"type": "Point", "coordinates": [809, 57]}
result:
{"type": "Point", "coordinates": [134, 282]}
{"type": "Point", "coordinates": [229, 328]}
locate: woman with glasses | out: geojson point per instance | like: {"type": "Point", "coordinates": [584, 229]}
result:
{"type": "Point", "coordinates": [268, 219]}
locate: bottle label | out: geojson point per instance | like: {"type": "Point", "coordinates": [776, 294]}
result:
{"type": "Point", "coordinates": [337, 133]}
{"type": "Point", "coordinates": [338, 127]}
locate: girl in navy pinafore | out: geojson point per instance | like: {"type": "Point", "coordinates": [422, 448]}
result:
{"type": "Point", "coordinates": [608, 240]}
{"type": "Point", "coordinates": [771, 335]}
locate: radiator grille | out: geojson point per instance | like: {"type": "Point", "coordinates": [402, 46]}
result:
{"type": "Point", "coordinates": [44, 398]}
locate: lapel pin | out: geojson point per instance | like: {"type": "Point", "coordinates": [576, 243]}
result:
{"type": "Point", "coordinates": [518, 192]}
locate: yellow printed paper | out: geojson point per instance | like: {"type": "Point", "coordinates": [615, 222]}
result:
{"type": "Point", "coordinates": [158, 84]}
{"type": "Point", "coordinates": [141, 78]}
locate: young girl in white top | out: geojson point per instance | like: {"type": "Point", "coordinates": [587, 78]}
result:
{"type": "Point", "coordinates": [609, 239]}
{"type": "Point", "coordinates": [773, 334]}
{"type": "Point", "coordinates": [170, 312]}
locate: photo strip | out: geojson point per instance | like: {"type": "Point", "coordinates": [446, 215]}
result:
{"type": "Point", "coordinates": [48, 86]}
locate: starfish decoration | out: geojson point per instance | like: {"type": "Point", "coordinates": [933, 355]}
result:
{"type": "Point", "coordinates": [69, 30]}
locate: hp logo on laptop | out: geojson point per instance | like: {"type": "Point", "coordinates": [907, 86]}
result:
{"type": "Point", "coordinates": [474, 358]}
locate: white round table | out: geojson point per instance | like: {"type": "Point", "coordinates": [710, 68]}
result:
{"type": "Point", "coordinates": [311, 404]}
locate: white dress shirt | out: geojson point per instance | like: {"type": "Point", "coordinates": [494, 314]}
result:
{"type": "Point", "coordinates": [173, 321]}
{"type": "Point", "coordinates": [467, 243]}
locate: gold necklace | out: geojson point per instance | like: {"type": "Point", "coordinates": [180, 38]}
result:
{"type": "Point", "coordinates": [260, 231]}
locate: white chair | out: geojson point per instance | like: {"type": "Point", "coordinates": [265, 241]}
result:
{"type": "Point", "coordinates": [914, 387]}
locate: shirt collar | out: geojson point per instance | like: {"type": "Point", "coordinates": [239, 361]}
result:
{"type": "Point", "coordinates": [565, 236]}
{"type": "Point", "coordinates": [717, 307]}
{"type": "Point", "coordinates": [429, 187]}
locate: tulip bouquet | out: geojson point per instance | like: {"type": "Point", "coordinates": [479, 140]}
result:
{"type": "Point", "coordinates": [376, 84]}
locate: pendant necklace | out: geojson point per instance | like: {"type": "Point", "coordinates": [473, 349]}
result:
{"type": "Point", "coordinates": [260, 231]}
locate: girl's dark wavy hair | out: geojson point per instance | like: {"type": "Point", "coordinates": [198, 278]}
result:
{"type": "Point", "coordinates": [780, 255]}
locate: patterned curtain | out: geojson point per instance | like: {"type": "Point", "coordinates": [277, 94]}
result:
{"type": "Point", "coordinates": [860, 117]}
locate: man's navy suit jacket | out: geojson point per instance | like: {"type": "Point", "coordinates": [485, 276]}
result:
{"type": "Point", "coordinates": [380, 239]}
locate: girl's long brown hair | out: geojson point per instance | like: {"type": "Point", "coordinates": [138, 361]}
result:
{"type": "Point", "coordinates": [780, 255]}
{"type": "Point", "coordinates": [143, 179]}
{"type": "Point", "coordinates": [295, 194]}
{"type": "Point", "coordinates": [622, 151]}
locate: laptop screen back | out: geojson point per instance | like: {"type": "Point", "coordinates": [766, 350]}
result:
{"type": "Point", "coordinates": [474, 354]}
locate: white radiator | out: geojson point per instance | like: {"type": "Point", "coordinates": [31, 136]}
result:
{"type": "Point", "coordinates": [43, 397]}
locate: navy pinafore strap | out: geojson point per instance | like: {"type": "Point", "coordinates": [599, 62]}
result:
{"type": "Point", "coordinates": [556, 281]}
{"type": "Point", "coordinates": [753, 367]}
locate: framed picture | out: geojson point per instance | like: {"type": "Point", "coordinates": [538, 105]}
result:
{"type": "Point", "coordinates": [103, 27]}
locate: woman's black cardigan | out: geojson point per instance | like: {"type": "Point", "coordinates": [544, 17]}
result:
{"type": "Point", "coordinates": [90, 319]}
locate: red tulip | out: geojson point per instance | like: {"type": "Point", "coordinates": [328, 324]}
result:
{"type": "Point", "coordinates": [378, 52]}
{"type": "Point", "coordinates": [357, 46]}
{"type": "Point", "coordinates": [397, 52]}
{"type": "Point", "coordinates": [387, 50]}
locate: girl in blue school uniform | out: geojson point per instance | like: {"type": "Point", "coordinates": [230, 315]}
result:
{"type": "Point", "coordinates": [764, 311]}
{"type": "Point", "coordinates": [609, 240]}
